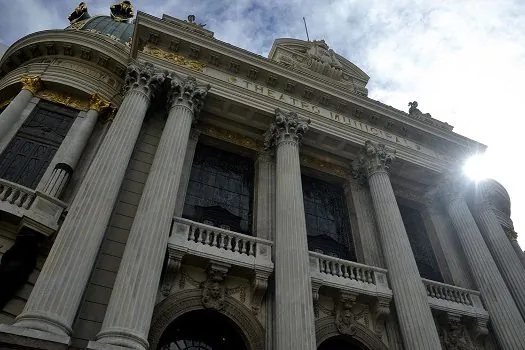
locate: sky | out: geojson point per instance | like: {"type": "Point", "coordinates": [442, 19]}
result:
{"type": "Point", "coordinates": [462, 60]}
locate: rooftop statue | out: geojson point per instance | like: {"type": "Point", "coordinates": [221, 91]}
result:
{"type": "Point", "coordinates": [122, 11]}
{"type": "Point", "coordinates": [415, 112]}
{"type": "Point", "coordinates": [323, 60]}
{"type": "Point", "coordinates": [80, 13]}
{"type": "Point", "coordinates": [191, 20]}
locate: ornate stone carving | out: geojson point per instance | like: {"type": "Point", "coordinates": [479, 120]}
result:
{"type": "Point", "coordinates": [172, 266]}
{"type": "Point", "coordinates": [143, 78]}
{"type": "Point", "coordinates": [346, 310]}
{"type": "Point", "coordinates": [122, 11]}
{"type": "Point", "coordinates": [259, 285]}
{"type": "Point", "coordinates": [415, 112]}
{"type": "Point", "coordinates": [174, 58]}
{"type": "Point", "coordinates": [31, 83]}
{"type": "Point", "coordinates": [381, 311]}
{"type": "Point", "coordinates": [213, 290]}
{"type": "Point", "coordinates": [188, 90]}
{"type": "Point", "coordinates": [512, 235]}
{"type": "Point", "coordinates": [323, 60]}
{"type": "Point", "coordinates": [374, 157]}
{"type": "Point", "coordinates": [288, 126]}
{"type": "Point", "coordinates": [455, 335]}
{"type": "Point", "coordinates": [97, 103]}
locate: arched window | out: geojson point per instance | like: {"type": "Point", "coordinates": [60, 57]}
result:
{"type": "Point", "coordinates": [327, 222]}
{"type": "Point", "coordinates": [202, 330]}
{"type": "Point", "coordinates": [27, 156]}
{"type": "Point", "coordinates": [341, 343]}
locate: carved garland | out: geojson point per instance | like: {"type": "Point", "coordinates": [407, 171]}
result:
{"type": "Point", "coordinates": [174, 58]}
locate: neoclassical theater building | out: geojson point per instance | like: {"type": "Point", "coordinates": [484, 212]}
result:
{"type": "Point", "coordinates": [163, 189]}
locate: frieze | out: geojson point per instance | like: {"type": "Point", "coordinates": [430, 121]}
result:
{"type": "Point", "coordinates": [174, 58]}
{"type": "Point", "coordinates": [321, 111]}
{"type": "Point", "coordinates": [323, 166]}
{"type": "Point", "coordinates": [63, 99]}
{"type": "Point", "coordinates": [229, 136]}
{"type": "Point", "coordinates": [85, 70]}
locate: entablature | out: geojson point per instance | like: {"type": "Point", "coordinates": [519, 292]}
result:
{"type": "Point", "coordinates": [260, 73]}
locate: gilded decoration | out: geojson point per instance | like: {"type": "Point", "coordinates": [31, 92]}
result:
{"type": "Point", "coordinates": [228, 136]}
{"type": "Point", "coordinates": [31, 83]}
{"type": "Point", "coordinates": [79, 14]}
{"type": "Point", "coordinates": [323, 166]}
{"type": "Point", "coordinates": [63, 99]}
{"type": "Point", "coordinates": [97, 103]}
{"type": "Point", "coordinates": [174, 58]}
{"type": "Point", "coordinates": [5, 103]}
{"type": "Point", "coordinates": [122, 11]}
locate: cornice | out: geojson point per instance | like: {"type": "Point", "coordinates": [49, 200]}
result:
{"type": "Point", "coordinates": [309, 80]}
{"type": "Point", "coordinates": [87, 46]}
{"type": "Point", "coordinates": [266, 104]}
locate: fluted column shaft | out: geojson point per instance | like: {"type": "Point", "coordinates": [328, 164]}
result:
{"type": "Point", "coordinates": [53, 303]}
{"type": "Point", "coordinates": [450, 246]}
{"type": "Point", "coordinates": [515, 245]}
{"type": "Point", "coordinates": [505, 317]}
{"type": "Point", "coordinates": [265, 196]}
{"type": "Point", "coordinates": [130, 308]}
{"type": "Point", "coordinates": [295, 328]}
{"type": "Point", "coordinates": [9, 116]}
{"type": "Point", "coordinates": [186, 172]}
{"type": "Point", "coordinates": [72, 147]}
{"type": "Point", "coordinates": [358, 197]}
{"type": "Point", "coordinates": [499, 245]}
{"type": "Point", "coordinates": [415, 318]}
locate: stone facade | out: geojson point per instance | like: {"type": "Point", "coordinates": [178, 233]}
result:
{"type": "Point", "coordinates": [178, 183]}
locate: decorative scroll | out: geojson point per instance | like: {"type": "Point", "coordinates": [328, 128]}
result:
{"type": "Point", "coordinates": [174, 58]}
{"type": "Point", "coordinates": [63, 99]}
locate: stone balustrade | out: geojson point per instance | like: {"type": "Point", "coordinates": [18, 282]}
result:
{"type": "Point", "coordinates": [348, 276]}
{"type": "Point", "coordinates": [454, 299]}
{"type": "Point", "coordinates": [36, 210]}
{"type": "Point", "coordinates": [15, 198]}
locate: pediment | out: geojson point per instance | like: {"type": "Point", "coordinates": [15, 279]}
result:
{"type": "Point", "coordinates": [316, 57]}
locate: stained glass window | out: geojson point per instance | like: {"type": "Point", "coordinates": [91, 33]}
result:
{"type": "Point", "coordinates": [327, 222]}
{"type": "Point", "coordinates": [27, 156]}
{"type": "Point", "coordinates": [420, 243]}
{"type": "Point", "coordinates": [220, 190]}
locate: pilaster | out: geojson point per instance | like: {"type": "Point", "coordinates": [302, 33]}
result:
{"type": "Point", "coordinates": [505, 317]}
{"type": "Point", "coordinates": [53, 303]}
{"type": "Point", "coordinates": [413, 311]}
{"type": "Point", "coordinates": [294, 314]}
{"type": "Point", "coordinates": [186, 171]}
{"type": "Point", "coordinates": [129, 312]}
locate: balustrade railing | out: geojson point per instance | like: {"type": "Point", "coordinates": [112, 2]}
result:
{"type": "Point", "coordinates": [16, 195]}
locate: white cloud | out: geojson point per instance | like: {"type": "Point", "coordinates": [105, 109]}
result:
{"type": "Point", "coordinates": [463, 61]}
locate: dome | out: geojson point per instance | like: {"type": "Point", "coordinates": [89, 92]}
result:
{"type": "Point", "coordinates": [499, 199]}
{"type": "Point", "coordinates": [116, 30]}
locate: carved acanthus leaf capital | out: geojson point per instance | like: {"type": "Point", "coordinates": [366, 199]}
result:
{"type": "Point", "coordinates": [97, 103]}
{"type": "Point", "coordinates": [31, 83]}
{"type": "Point", "coordinates": [187, 90]}
{"type": "Point", "coordinates": [143, 78]}
{"type": "Point", "coordinates": [288, 126]}
{"type": "Point", "coordinates": [374, 157]}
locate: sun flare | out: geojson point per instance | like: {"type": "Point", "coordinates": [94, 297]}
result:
{"type": "Point", "coordinates": [476, 167]}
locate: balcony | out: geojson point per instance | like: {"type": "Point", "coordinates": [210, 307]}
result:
{"type": "Point", "coordinates": [203, 244]}
{"type": "Point", "coordinates": [348, 276]}
{"type": "Point", "coordinates": [456, 300]}
{"type": "Point", "coordinates": [32, 208]}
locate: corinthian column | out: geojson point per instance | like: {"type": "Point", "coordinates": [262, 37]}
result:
{"type": "Point", "coordinates": [415, 318]}
{"type": "Point", "coordinates": [72, 147]}
{"type": "Point", "coordinates": [505, 317]}
{"type": "Point", "coordinates": [513, 238]}
{"type": "Point", "coordinates": [293, 289]}
{"type": "Point", "coordinates": [55, 298]}
{"type": "Point", "coordinates": [130, 308]}
{"type": "Point", "coordinates": [30, 86]}
{"type": "Point", "coordinates": [499, 245]}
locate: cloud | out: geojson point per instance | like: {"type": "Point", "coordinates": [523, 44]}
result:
{"type": "Point", "coordinates": [463, 61]}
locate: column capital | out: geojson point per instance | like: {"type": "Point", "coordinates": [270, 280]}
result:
{"type": "Point", "coordinates": [265, 156]}
{"type": "Point", "coordinates": [288, 126]}
{"type": "Point", "coordinates": [31, 83]}
{"type": "Point", "coordinates": [97, 103]}
{"type": "Point", "coordinates": [512, 235]}
{"type": "Point", "coordinates": [374, 157]}
{"type": "Point", "coordinates": [187, 90]}
{"type": "Point", "coordinates": [143, 78]}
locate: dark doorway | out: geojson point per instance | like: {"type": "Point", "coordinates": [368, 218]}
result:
{"type": "Point", "coordinates": [341, 343]}
{"type": "Point", "coordinates": [202, 330]}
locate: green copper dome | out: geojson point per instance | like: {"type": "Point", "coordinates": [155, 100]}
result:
{"type": "Point", "coordinates": [116, 30]}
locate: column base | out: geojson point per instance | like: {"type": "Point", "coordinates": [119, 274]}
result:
{"type": "Point", "coordinates": [118, 338]}
{"type": "Point", "coordinates": [12, 337]}
{"type": "Point", "coordinates": [95, 345]}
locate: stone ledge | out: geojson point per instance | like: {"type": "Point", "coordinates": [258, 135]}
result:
{"type": "Point", "coordinates": [95, 345]}
{"type": "Point", "coordinates": [31, 339]}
